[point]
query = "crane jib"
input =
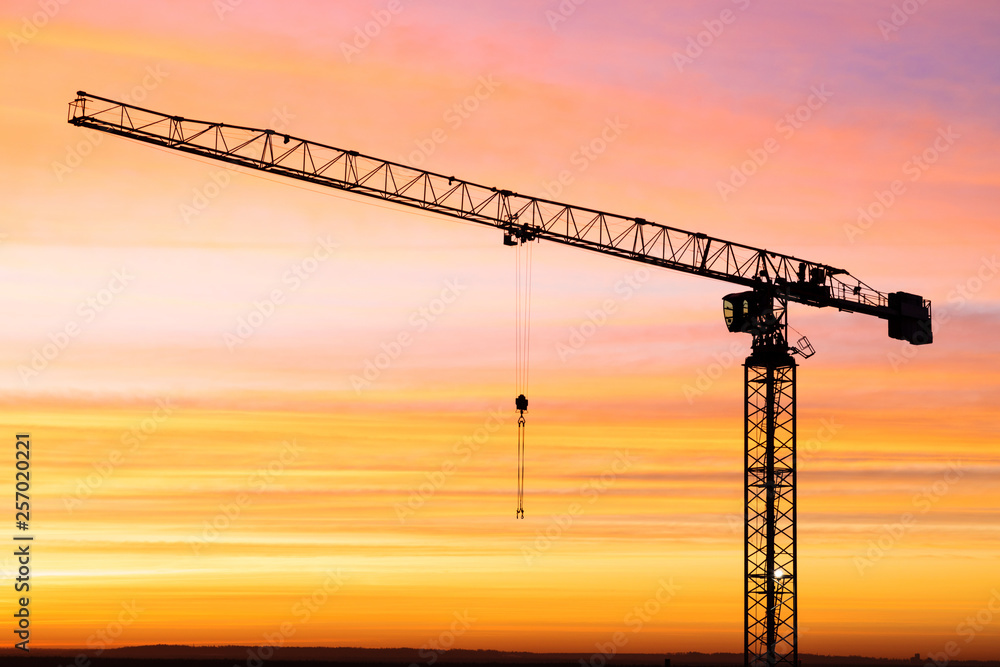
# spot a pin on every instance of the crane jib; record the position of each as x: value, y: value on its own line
x: 519, y: 216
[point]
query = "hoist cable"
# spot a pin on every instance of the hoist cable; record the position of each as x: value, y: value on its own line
x: 522, y: 325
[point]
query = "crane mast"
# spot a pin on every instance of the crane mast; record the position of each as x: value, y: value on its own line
x: 772, y: 281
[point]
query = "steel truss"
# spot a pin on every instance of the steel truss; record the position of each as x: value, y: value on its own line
x: 771, y: 582
x: 518, y: 215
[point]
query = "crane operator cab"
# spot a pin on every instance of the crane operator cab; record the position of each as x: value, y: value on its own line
x: 741, y: 311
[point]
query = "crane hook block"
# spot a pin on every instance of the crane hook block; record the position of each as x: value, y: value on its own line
x: 521, y: 403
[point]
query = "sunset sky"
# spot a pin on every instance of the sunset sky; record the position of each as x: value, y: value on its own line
x: 189, y: 489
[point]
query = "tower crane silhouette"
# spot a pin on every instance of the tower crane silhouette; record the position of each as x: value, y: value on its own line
x: 770, y: 281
